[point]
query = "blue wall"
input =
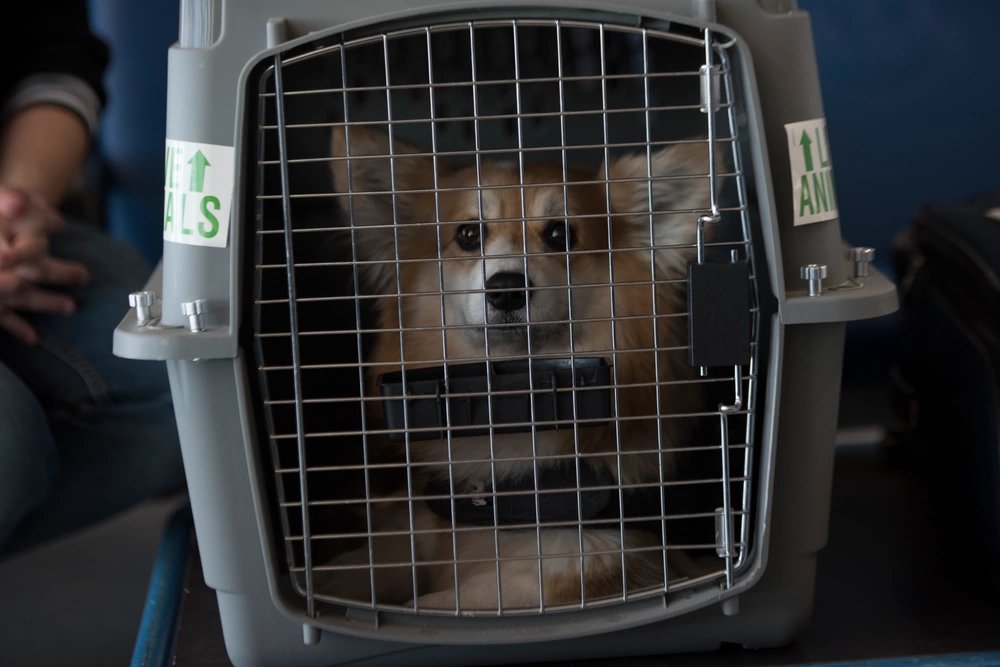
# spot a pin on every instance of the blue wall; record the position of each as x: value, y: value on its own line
x: 134, y: 124
x: 912, y: 96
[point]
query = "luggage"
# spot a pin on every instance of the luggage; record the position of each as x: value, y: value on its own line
x: 947, y: 382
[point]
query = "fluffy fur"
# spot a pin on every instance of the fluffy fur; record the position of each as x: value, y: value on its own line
x: 441, y: 281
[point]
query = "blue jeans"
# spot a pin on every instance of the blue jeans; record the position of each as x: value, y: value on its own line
x: 83, y: 434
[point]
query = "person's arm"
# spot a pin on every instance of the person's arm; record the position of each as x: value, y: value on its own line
x: 41, y: 150
x: 53, y: 93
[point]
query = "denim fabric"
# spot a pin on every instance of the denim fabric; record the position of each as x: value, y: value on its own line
x: 83, y: 434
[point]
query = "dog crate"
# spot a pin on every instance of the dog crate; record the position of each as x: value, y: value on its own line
x: 502, y: 332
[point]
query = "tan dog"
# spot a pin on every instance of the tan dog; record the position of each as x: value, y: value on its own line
x: 474, y: 262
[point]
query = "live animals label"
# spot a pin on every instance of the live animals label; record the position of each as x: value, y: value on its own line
x: 813, y: 196
x: 197, y: 193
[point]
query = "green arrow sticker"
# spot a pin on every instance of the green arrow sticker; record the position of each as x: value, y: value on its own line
x: 198, y: 164
x: 806, y: 142
x: 814, y: 198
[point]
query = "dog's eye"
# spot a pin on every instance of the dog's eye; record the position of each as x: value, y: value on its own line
x: 559, y: 235
x: 468, y: 236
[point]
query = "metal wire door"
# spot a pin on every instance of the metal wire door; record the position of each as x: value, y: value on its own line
x: 478, y: 377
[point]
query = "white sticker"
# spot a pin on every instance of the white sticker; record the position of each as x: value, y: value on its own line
x: 813, y: 196
x: 197, y: 193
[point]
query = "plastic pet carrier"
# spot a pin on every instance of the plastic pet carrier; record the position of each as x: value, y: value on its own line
x: 502, y: 331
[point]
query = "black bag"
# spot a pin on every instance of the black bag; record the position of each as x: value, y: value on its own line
x: 947, y: 382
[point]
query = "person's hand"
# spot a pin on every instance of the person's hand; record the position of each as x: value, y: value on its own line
x: 26, y: 223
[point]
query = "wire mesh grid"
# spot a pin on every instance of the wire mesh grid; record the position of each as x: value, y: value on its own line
x: 470, y: 315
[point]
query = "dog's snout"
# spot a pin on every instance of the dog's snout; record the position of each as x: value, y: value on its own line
x: 507, y: 290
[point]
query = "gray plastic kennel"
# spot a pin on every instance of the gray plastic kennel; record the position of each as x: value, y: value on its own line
x: 502, y: 331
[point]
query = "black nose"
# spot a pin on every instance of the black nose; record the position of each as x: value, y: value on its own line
x: 507, y: 290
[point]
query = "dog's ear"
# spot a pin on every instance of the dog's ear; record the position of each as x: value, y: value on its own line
x: 377, y: 194
x: 361, y: 164
x: 677, y: 177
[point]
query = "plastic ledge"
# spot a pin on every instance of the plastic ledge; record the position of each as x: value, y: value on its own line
x: 875, y: 297
x: 160, y: 343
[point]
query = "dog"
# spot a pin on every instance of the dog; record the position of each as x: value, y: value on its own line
x: 493, y: 261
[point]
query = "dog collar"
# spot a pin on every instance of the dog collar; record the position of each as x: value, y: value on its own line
x: 562, y: 496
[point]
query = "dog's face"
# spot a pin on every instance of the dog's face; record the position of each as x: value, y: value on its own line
x: 517, y: 251
x: 511, y: 253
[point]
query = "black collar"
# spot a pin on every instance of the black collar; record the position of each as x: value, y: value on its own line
x: 565, y: 494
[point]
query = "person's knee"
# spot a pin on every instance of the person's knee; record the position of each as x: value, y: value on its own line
x: 113, y: 264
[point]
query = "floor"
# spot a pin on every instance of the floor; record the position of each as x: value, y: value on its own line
x: 77, y: 602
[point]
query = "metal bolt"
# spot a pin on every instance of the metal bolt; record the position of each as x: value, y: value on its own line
x: 193, y: 310
x: 142, y: 302
x: 814, y: 273
x: 862, y: 258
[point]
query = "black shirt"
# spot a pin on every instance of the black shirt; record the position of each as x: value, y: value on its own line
x: 50, y: 37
